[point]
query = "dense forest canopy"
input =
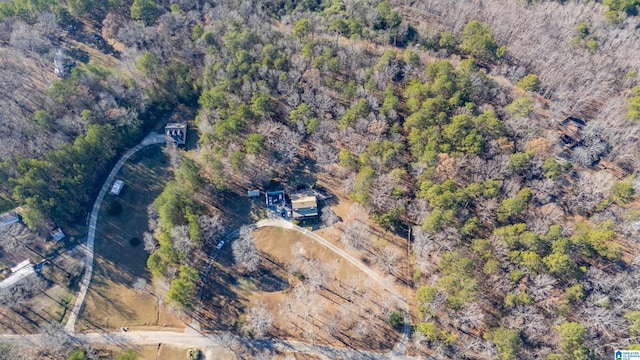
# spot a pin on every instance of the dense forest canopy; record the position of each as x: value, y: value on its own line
x: 437, y: 116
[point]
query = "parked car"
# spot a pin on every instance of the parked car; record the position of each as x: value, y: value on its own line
x: 219, y: 246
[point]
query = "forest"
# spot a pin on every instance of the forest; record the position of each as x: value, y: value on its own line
x: 443, y: 117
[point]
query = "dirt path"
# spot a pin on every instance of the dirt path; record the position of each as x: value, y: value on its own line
x: 151, y: 139
x: 387, y: 283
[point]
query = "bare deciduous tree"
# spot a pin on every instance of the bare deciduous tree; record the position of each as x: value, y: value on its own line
x: 329, y: 217
x: 211, y: 228
x: 150, y: 244
x: 258, y: 320
x: 181, y: 241
x: 244, y: 250
x: 356, y: 235
x: 140, y: 285
x: 388, y: 259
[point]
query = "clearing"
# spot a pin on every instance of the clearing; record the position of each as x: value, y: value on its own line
x: 120, y: 258
x: 345, y: 307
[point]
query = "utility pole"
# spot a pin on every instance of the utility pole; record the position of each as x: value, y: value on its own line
x: 409, y: 241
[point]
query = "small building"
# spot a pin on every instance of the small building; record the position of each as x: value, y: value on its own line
x: 117, y: 187
x: 176, y: 133
x: 570, y: 130
x: 57, y: 234
x: 273, y: 198
x: 304, y: 205
x: 253, y: 193
x: 9, y: 218
x: 18, y: 273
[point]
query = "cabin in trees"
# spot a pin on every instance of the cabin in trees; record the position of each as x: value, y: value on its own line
x: 176, y: 133
x: 570, y: 130
x: 304, y: 205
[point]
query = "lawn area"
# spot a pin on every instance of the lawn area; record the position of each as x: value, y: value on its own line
x: 348, y: 309
x: 120, y: 258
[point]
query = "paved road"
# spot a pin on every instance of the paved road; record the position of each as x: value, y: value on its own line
x: 401, y: 346
x: 152, y: 138
x: 187, y: 340
x: 194, y: 338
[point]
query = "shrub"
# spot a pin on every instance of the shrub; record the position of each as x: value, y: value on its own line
x: 194, y: 354
x: 395, y: 319
x: 529, y: 83
x: 623, y: 192
x: 114, y: 207
x: 520, y: 107
x: 134, y: 241
x: 78, y: 354
x: 128, y: 355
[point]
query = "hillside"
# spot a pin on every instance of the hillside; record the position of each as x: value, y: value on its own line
x: 499, y: 136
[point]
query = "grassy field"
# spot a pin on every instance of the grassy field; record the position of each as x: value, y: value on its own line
x: 228, y: 293
x: 119, y: 255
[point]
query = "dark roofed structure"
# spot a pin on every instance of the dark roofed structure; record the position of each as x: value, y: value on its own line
x: 176, y: 133
x: 304, y: 205
x: 571, y: 131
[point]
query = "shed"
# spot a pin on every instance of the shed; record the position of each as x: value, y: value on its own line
x: 9, y: 218
x: 304, y: 205
x: 571, y: 131
x: 176, y: 133
x: 117, y: 187
x: 18, y: 273
x: 253, y: 193
x: 57, y: 234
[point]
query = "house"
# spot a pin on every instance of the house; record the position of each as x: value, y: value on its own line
x: 304, y: 205
x: 117, y: 187
x: 273, y: 198
x: 18, y: 273
x: 57, y: 234
x: 570, y: 130
x: 176, y: 133
x: 253, y: 193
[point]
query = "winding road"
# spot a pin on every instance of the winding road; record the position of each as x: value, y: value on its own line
x: 189, y: 340
x: 153, y: 138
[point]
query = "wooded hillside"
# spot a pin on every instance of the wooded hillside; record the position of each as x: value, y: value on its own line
x: 444, y: 117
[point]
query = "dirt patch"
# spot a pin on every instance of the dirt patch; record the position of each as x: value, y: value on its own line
x: 111, y: 301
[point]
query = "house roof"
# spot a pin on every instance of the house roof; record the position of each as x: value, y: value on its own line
x: 18, y: 273
x: 304, y: 204
x: 57, y: 234
x: 176, y: 133
x: 9, y: 218
x: 570, y: 129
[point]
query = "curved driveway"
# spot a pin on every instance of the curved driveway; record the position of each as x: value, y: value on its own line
x: 198, y: 339
x: 151, y: 139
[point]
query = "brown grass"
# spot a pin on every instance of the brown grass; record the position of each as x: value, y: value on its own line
x: 111, y: 302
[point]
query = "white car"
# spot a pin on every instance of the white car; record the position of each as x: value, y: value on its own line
x: 219, y: 246
x: 117, y: 187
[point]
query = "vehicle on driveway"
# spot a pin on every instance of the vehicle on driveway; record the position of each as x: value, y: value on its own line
x: 219, y: 246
